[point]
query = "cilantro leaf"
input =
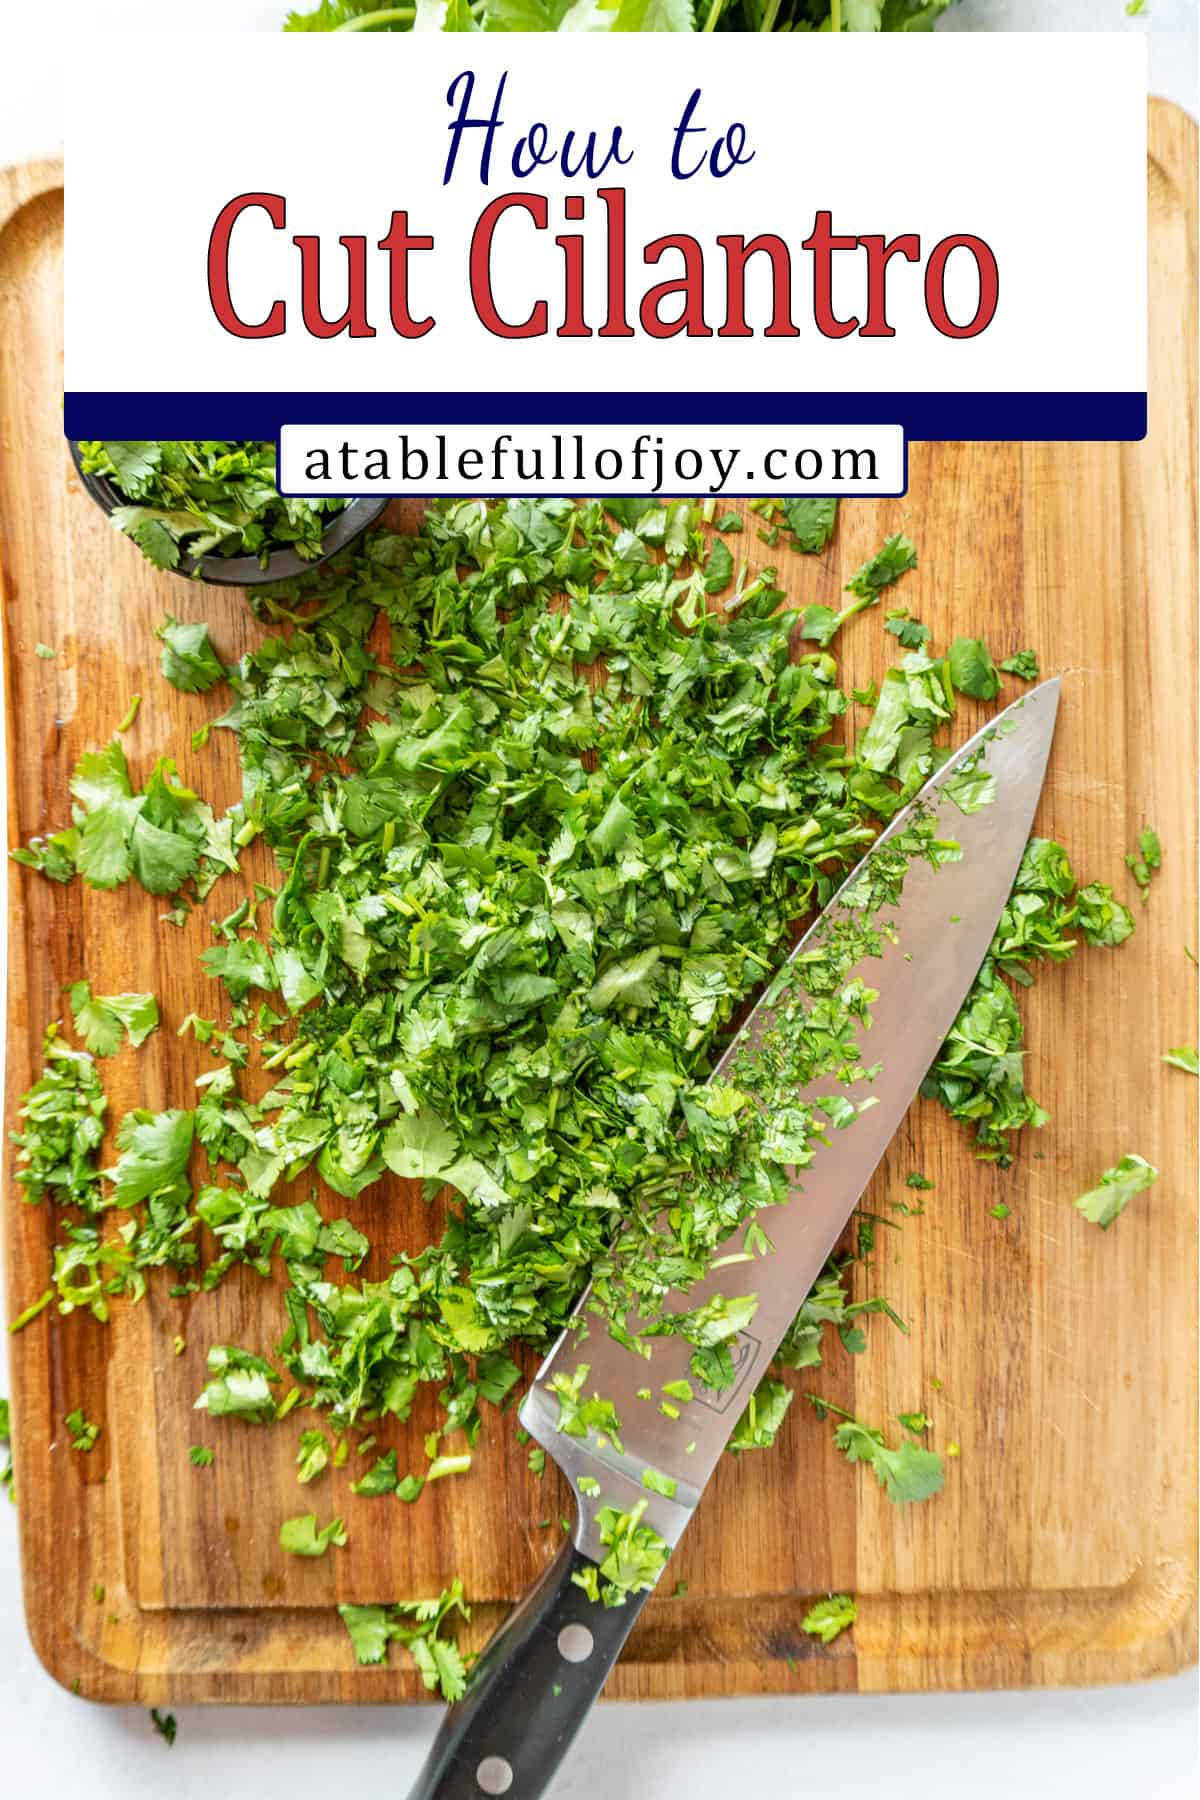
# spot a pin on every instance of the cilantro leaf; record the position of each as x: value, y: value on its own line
x: 1145, y: 862
x: 1023, y: 664
x: 1116, y: 1188
x: 153, y: 1154
x: 827, y: 1619
x: 84, y: 1434
x: 312, y: 1456
x: 419, y: 1625
x: 811, y: 523
x: 892, y: 560
x: 718, y: 570
x: 370, y: 1632
x: 380, y: 1478
x: 907, y: 1474
x: 189, y: 661
x: 972, y: 670
x: 239, y: 1385
x: 165, y: 1724
x: 103, y: 1021
x: 637, y: 1555
x: 198, y: 498
x: 759, y: 1425
x: 912, y: 634
x: 302, y: 1537
x: 1184, y: 1058
x: 242, y: 964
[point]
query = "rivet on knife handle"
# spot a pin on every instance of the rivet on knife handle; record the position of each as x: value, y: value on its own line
x: 530, y: 1691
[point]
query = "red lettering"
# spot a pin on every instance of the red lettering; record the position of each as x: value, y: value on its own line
x: 354, y: 319
x: 616, y: 325
x: 823, y: 243
x: 574, y: 323
x: 737, y: 254
x: 879, y: 254
x: 481, y: 266
x: 397, y: 244
x: 275, y: 207
x: 935, y: 286
x: 690, y: 285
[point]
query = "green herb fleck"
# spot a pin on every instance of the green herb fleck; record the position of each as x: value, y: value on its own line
x: 829, y: 1618
x: 1116, y: 1188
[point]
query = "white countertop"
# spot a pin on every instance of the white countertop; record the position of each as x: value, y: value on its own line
x: 1105, y: 1743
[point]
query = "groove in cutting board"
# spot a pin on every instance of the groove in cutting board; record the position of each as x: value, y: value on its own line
x: 1063, y: 1548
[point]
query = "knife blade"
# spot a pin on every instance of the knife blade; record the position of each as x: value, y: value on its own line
x: 537, y: 1678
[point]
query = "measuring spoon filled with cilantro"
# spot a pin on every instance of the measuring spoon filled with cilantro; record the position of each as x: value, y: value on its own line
x: 211, y: 508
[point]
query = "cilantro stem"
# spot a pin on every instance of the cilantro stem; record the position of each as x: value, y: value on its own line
x: 31, y: 1312
x: 835, y: 15
x: 714, y: 13
x: 379, y: 21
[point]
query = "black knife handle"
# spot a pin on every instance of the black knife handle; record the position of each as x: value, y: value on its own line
x: 530, y: 1691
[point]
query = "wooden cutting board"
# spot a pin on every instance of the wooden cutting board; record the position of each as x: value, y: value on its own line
x: 1062, y: 1360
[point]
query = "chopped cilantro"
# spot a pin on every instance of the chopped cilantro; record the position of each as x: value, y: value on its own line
x: 165, y: 1724
x: 84, y: 1434
x: 301, y: 1537
x: 312, y: 1455
x: 205, y: 499
x: 907, y: 1473
x: 1023, y: 664
x: 1145, y: 862
x: 658, y: 1483
x: 718, y: 570
x: 897, y: 556
x: 419, y: 1626
x: 829, y: 1618
x: 531, y: 861
x: 441, y: 1466
x: 759, y: 1425
x: 637, y: 1556
x: 380, y: 1478
x: 6, y: 1472
x: 1184, y: 1058
x: 978, y: 1074
x: 104, y: 1021
x: 810, y: 524
x: 972, y: 670
x: 189, y: 661
x: 200, y: 1456
x: 916, y: 1422
x: 1116, y: 1188
x: 912, y: 634
x: 239, y: 1385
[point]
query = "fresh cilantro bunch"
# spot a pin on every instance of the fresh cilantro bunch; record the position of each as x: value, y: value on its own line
x: 621, y: 15
x: 205, y: 498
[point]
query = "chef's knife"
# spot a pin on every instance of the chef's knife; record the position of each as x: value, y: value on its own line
x: 538, y: 1677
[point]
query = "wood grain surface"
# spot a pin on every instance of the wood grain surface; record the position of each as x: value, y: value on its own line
x: 1063, y: 1549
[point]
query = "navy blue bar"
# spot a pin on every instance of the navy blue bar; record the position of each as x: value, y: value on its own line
x: 946, y: 418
